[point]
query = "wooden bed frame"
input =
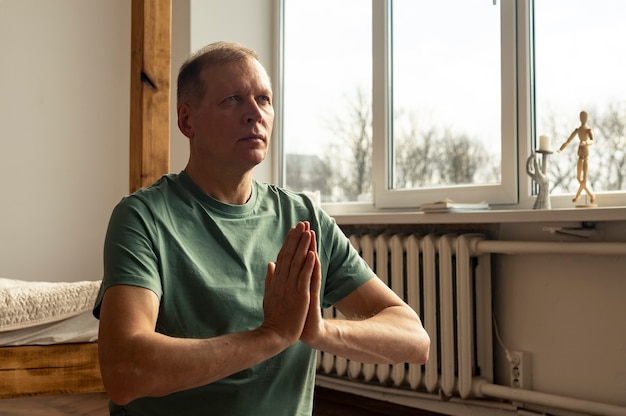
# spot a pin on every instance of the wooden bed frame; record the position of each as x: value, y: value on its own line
x: 35, y: 370
x: 74, y: 368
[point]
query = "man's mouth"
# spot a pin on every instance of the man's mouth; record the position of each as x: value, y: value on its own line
x: 254, y: 138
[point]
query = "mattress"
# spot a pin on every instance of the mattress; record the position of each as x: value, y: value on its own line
x: 44, y: 313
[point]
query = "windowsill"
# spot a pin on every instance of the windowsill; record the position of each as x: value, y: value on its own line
x: 485, y: 217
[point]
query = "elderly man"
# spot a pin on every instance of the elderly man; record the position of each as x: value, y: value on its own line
x: 214, y: 283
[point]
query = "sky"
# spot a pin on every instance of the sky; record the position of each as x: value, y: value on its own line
x: 581, y: 55
x: 446, y: 47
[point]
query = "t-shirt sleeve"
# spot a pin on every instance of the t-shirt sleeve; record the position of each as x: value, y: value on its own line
x: 346, y: 269
x: 130, y: 256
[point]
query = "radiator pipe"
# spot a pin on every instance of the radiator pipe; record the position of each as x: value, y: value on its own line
x: 482, y: 387
x: 548, y: 247
x: 485, y: 389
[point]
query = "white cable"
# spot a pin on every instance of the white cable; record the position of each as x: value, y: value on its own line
x: 509, y: 358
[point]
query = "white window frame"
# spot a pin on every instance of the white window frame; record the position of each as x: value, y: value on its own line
x: 518, y: 133
x: 384, y: 196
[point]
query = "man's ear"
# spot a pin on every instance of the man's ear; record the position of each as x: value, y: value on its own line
x: 184, y: 123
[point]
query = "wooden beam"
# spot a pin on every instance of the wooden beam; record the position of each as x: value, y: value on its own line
x: 150, y: 91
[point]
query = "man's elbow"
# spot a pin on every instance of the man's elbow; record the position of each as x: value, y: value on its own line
x: 124, y: 380
x: 421, y: 348
x: 119, y: 387
x: 118, y: 396
x: 424, y: 349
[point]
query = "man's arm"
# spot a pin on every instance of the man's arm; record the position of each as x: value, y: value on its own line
x: 136, y: 361
x: 380, y: 327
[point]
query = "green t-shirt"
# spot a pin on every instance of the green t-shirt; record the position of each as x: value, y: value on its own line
x: 207, y: 262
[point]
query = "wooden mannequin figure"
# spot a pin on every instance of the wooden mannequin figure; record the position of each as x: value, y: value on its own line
x: 586, y: 139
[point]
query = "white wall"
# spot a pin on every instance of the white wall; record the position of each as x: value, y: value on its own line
x: 64, y: 121
x: 63, y: 133
x: 568, y: 311
x: 249, y: 22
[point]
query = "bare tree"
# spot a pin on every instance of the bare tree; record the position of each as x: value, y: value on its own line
x: 611, y: 150
x: 413, y: 156
x: 354, y: 146
x: 461, y: 159
x: 308, y: 173
x: 436, y: 157
x: 430, y: 156
x: 422, y: 157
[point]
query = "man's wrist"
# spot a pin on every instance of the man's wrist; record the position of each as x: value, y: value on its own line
x: 272, y: 339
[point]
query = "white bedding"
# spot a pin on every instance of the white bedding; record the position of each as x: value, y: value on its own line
x: 79, y: 328
x: 29, y: 304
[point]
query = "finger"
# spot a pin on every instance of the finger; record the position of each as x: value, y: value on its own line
x: 303, y: 262
x: 307, y: 227
x: 316, y: 283
x: 314, y: 321
x: 313, y: 245
x: 286, y: 251
x: 306, y: 272
x: 271, y: 267
x: 292, y: 255
x: 302, y: 226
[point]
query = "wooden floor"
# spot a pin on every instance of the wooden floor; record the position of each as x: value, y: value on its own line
x: 327, y: 403
x: 333, y: 403
x: 89, y: 404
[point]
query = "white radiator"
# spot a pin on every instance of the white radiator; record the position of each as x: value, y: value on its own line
x: 449, y: 286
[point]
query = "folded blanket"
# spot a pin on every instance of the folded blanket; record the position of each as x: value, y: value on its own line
x: 25, y: 304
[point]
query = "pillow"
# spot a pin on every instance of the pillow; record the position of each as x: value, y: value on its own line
x: 25, y: 304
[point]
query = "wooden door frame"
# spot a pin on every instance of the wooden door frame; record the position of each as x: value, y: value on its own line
x: 150, y: 72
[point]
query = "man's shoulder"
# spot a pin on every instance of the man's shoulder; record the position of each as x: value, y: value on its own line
x: 164, y: 182
x: 162, y: 192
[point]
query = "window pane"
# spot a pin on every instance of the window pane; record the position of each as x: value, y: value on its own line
x: 580, y: 62
x: 446, y: 93
x: 327, y: 98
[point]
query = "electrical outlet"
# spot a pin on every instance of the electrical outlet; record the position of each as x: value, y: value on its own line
x: 521, y: 370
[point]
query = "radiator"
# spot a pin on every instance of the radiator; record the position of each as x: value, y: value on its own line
x: 449, y: 286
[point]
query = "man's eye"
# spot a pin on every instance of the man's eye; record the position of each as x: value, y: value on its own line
x: 231, y: 99
x: 265, y: 98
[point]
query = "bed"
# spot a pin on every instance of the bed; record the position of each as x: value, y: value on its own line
x: 42, y: 363
x: 48, y: 338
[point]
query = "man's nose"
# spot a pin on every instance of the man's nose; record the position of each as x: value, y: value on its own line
x: 253, y: 112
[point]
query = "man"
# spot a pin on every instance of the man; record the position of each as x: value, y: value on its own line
x: 213, y: 282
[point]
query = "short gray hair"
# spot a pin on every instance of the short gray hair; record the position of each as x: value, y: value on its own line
x: 190, y: 85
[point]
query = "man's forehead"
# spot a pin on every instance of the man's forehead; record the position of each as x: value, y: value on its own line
x: 248, y: 73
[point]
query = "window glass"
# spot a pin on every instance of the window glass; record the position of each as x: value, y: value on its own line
x: 446, y: 124
x: 399, y: 102
x: 327, y: 98
x: 580, y: 62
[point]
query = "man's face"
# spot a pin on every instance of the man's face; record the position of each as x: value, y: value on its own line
x: 232, y: 124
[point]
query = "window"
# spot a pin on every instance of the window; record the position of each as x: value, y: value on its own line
x: 444, y: 136
x: 399, y: 102
x: 580, y: 59
x: 446, y: 118
x: 328, y: 95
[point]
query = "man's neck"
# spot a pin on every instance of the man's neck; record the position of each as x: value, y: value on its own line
x: 234, y: 190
